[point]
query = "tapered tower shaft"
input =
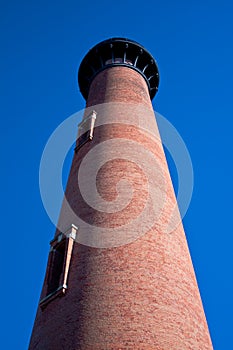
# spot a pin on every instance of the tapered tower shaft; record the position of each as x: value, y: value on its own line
x: 119, y: 274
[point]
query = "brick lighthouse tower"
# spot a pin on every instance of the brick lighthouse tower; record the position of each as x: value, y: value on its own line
x: 119, y: 273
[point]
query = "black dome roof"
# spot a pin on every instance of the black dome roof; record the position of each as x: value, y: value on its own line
x: 118, y: 52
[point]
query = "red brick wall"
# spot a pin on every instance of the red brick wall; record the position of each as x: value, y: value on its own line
x: 141, y: 295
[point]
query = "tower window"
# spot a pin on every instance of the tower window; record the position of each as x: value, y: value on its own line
x: 56, y: 278
x: 86, y: 130
x: 56, y: 267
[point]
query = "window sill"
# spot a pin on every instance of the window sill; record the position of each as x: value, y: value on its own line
x: 58, y: 292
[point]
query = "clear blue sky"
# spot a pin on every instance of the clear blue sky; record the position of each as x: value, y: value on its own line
x: 42, y: 45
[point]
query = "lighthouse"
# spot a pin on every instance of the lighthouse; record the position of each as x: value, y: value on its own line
x: 119, y: 272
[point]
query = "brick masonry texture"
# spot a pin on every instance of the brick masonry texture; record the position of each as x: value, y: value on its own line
x: 139, y: 296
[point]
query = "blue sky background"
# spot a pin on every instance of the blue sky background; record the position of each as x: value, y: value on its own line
x: 42, y: 45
